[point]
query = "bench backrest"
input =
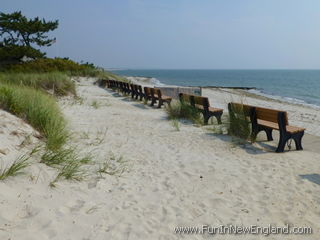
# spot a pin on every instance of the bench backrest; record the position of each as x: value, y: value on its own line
x: 270, y: 115
x: 147, y: 91
x: 195, y: 100
x: 203, y: 101
x: 154, y: 92
x: 158, y: 92
x: 184, y: 98
x: 240, y: 108
x: 266, y: 114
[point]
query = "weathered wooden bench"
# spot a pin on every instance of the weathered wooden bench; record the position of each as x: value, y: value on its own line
x: 202, y: 104
x: 156, y: 95
x: 265, y: 119
x: 140, y: 92
x: 147, y: 94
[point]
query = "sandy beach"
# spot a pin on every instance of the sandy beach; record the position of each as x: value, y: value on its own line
x: 162, y: 178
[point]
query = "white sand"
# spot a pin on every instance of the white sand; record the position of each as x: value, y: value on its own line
x: 189, y: 177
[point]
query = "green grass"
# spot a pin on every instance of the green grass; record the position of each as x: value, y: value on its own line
x: 179, y: 110
x: 60, y: 157
x: 175, y: 124
x: 71, y: 170
x: 15, y: 168
x: 239, y: 123
x: 63, y: 65
x: 113, y: 166
x: 57, y: 83
x: 38, y: 109
x: 95, y: 104
x: 68, y: 163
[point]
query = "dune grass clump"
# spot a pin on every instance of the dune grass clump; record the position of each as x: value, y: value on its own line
x: 38, y: 109
x: 175, y: 124
x: 64, y: 65
x: 15, y: 168
x: 113, y: 166
x: 180, y: 110
x: 239, y: 123
x: 68, y: 163
x: 58, y: 83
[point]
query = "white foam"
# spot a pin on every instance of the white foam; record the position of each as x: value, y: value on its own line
x: 156, y: 82
x: 284, y: 99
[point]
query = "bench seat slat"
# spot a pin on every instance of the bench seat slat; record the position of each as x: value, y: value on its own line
x: 166, y: 97
x: 275, y: 126
x: 211, y: 109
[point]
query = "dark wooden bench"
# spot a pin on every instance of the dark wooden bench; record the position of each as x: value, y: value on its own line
x: 202, y: 104
x: 140, y: 92
x: 147, y: 94
x: 265, y: 119
x: 156, y: 95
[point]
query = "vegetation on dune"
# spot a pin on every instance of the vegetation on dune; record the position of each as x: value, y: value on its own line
x: 68, y: 162
x: 24, y: 87
x: 63, y: 65
x: 38, y: 109
x: 56, y: 82
x: 239, y: 124
x: 180, y: 110
x: 15, y: 168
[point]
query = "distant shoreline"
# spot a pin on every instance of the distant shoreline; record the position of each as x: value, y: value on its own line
x: 247, y: 91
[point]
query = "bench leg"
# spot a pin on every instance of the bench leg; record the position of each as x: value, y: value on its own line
x: 160, y: 102
x: 297, y: 139
x: 281, y: 145
x: 153, y: 101
x: 269, y: 134
x: 282, y: 142
x: 218, y: 117
x: 206, y: 119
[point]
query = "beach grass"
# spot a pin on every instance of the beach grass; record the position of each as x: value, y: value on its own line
x: 180, y: 110
x: 239, y: 123
x: 38, y: 109
x: 68, y: 162
x: 15, y: 168
x: 175, y: 124
x: 62, y: 65
x: 113, y: 165
x: 57, y: 83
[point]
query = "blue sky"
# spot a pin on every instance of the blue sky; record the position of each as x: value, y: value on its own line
x: 183, y: 34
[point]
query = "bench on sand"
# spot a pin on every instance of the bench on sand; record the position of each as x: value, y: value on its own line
x: 265, y: 119
x: 202, y: 104
x: 155, y: 94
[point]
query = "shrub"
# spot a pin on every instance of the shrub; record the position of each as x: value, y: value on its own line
x: 45, y: 65
x: 38, y: 109
x: 58, y: 83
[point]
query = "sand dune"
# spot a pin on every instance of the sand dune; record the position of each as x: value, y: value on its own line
x: 172, y: 178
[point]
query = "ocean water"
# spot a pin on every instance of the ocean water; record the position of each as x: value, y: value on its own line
x: 298, y: 86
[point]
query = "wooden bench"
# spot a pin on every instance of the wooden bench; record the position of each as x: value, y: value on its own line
x: 147, y: 94
x: 265, y: 119
x: 156, y: 95
x: 140, y: 92
x: 202, y: 104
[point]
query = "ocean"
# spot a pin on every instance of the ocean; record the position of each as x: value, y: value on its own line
x: 296, y: 86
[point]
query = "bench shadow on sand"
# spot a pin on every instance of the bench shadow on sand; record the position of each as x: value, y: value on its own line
x: 315, y: 178
x: 247, y: 146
